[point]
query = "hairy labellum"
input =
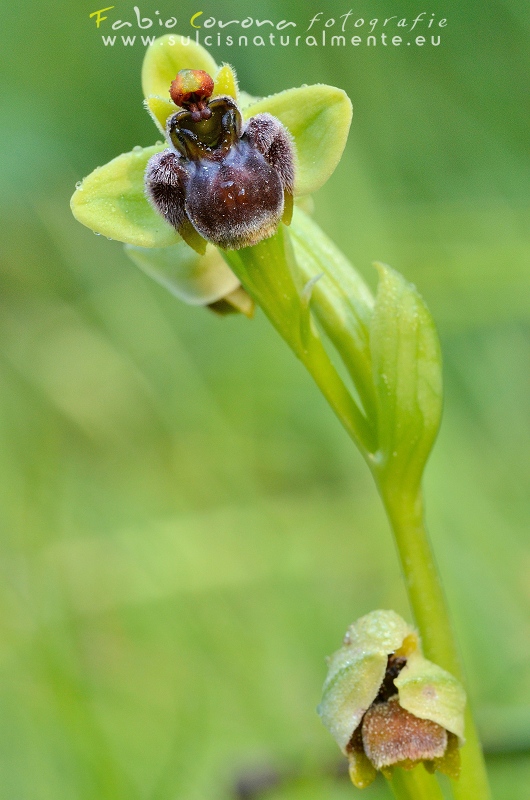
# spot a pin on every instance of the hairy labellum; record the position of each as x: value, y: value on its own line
x: 221, y: 180
x: 390, y: 735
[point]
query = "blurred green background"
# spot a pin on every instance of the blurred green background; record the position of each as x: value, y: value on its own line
x: 186, y: 530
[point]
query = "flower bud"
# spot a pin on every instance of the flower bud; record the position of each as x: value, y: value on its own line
x: 386, y: 705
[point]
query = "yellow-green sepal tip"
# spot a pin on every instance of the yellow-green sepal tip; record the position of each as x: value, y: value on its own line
x: 112, y: 202
x: 356, y: 671
x: 166, y: 57
x: 195, y: 279
x: 318, y: 118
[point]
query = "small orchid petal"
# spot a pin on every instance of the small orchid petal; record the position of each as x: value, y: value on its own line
x: 225, y: 82
x: 429, y: 692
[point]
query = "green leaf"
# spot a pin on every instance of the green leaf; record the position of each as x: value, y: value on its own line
x: 111, y: 201
x: 318, y: 118
x: 406, y: 363
x: 167, y: 56
x: 198, y: 280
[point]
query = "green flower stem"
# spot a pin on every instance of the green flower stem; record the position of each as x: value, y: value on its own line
x: 270, y: 273
x: 266, y: 271
x: 342, y: 303
x: 414, y: 785
x: 430, y: 612
x: 421, y: 577
x: 473, y: 782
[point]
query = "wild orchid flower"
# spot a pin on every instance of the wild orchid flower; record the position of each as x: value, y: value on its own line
x: 310, y: 123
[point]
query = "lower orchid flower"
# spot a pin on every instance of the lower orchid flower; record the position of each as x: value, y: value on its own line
x: 388, y: 706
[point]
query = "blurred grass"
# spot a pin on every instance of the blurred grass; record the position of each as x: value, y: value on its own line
x: 186, y: 530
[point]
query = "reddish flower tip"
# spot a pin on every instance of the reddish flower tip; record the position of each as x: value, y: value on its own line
x: 191, y: 90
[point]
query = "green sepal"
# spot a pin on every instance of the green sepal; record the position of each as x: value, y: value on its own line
x: 406, y: 363
x: 350, y: 692
x: 160, y: 109
x: 167, y: 56
x: 197, y: 280
x: 429, y: 692
x: 318, y: 118
x: 356, y: 671
x: 111, y: 201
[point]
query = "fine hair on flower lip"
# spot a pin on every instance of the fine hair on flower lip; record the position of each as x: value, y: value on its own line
x: 221, y: 180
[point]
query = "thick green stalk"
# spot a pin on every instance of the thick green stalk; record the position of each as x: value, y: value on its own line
x: 431, y: 615
x: 265, y: 271
x: 268, y: 271
x: 342, y: 303
x: 414, y: 785
x: 423, y: 585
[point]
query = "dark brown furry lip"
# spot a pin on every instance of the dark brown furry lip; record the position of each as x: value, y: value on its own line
x: 220, y: 180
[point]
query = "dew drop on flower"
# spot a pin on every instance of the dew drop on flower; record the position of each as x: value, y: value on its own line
x: 137, y: 148
x: 79, y: 184
x: 96, y: 233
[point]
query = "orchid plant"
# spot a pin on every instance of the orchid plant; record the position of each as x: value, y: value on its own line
x: 208, y: 213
